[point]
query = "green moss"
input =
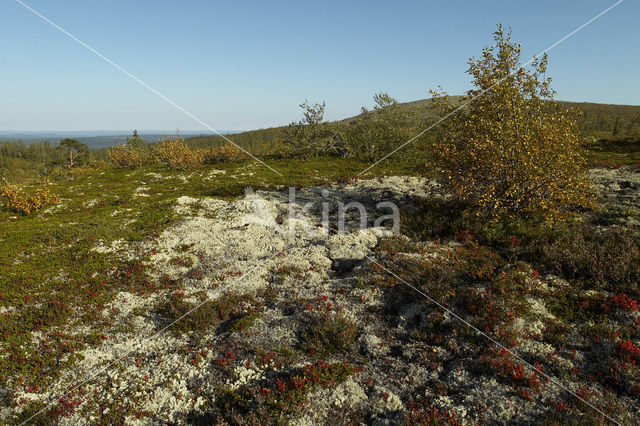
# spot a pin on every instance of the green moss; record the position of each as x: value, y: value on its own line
x: 233, y: 401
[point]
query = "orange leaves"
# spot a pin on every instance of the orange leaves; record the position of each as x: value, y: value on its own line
x: 177, y: 155
x: 126, y: 156
x: 170, y: 152
x: 25, y: 203
x: 224, y: 153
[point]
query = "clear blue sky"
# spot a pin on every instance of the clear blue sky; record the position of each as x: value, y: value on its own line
x: 242, y: 65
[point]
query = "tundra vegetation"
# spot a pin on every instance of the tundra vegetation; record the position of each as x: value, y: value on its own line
x: 511, y: 152
x: 147, y: 260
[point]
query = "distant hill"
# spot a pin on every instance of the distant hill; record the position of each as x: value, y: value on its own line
x: 425, y: 105
x: 597, y: 121
x: 607, y: 120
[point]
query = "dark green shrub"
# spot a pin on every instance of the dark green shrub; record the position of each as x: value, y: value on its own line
x: 330, y: 334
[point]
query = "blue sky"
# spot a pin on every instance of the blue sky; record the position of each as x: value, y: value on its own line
x: 243, y: 65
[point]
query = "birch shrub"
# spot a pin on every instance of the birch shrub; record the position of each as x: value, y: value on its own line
x: 510, y: 152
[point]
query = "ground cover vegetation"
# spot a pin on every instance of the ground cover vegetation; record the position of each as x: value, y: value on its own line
x: 540, y: 249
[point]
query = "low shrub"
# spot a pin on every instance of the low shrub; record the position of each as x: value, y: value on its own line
x: 127, y: 156
x: 291, y: 393
x: 476, y: 261
x: 431, y: 416
x: 608, y: 259
x: 282, y: 396
x: 445, y: 219
x: 330, y: 334
x: 177, y: 155
x: 25, y: 203
x: 86, y: 169
x: 509, y: 370
x: 223, y: 154
x: 619, y: 368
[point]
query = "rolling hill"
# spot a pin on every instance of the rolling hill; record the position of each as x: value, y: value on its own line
x: 598, y: 121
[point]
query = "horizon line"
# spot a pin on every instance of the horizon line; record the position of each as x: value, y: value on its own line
x: 230, y: 131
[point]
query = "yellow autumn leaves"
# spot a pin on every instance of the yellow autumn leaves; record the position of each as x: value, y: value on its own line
x: 126, y: 156
x: 173, y: 153
x: 511, y: 152
x: 23, y: 202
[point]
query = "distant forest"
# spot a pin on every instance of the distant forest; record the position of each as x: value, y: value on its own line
x: 20, y: 161
x: 608, y: 121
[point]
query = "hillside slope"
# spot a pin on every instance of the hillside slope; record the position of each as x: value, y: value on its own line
x: 597, y: 121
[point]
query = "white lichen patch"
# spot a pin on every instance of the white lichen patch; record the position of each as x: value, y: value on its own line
x: 90, y: 203
x: 347, y: 395
x: 186, y: 206
x: 141, y: 191
x: 355, y: 245
x: 214, y: 173
x: 114, y: 247
x: 245, y: 375
x: 7, y: 309
x: 53, y: 209
x: 237, y: 246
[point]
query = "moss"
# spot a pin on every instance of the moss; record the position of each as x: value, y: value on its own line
x: 570, y: 305
x: 287, y: 353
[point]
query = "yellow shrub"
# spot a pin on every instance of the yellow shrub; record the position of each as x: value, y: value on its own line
x: 125, y: 156
x: 84, y: 169
x: 175, y: 154
x: 224, y: 153
x: 25, y: 203
x: 511, y: 152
